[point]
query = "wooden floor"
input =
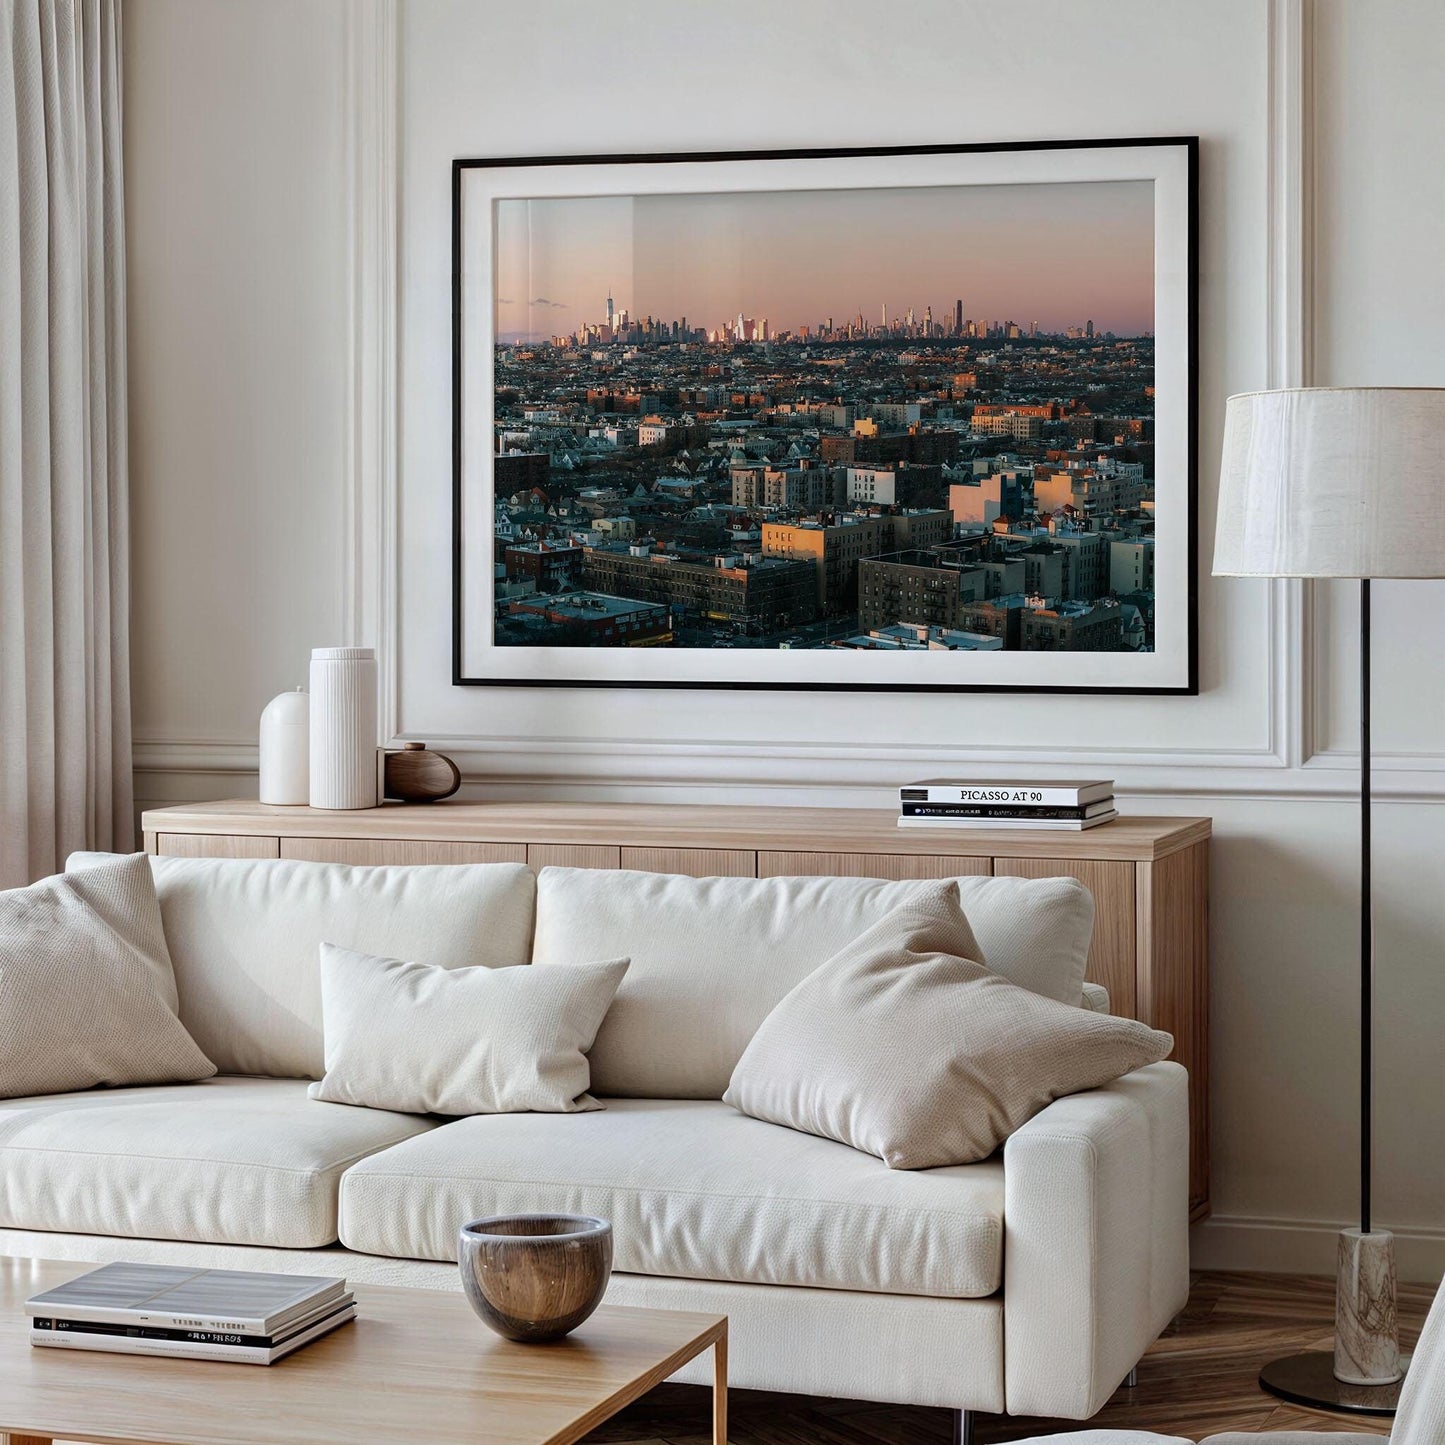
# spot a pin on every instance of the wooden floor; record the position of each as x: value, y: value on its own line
x: 1200, y: 1378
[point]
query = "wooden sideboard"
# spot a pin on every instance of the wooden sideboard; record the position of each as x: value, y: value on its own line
x: 1149, y: 876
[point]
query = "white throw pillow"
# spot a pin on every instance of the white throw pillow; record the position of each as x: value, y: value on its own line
x: 419, y: 1039
x: 903, y: 1046
x: 711, y: 956
x: 87, y: 994
x: 245, y: 936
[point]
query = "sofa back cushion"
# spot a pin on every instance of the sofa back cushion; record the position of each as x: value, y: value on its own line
x: 245, y: 938
x: 712, y: 956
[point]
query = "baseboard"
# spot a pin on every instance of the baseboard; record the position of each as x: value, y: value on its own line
x: 1304, y: 1246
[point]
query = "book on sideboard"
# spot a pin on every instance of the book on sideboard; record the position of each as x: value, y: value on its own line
x: 1008, y: 794
x: 963, y: 803
x: 983, y: 812
x: 1042, y: 825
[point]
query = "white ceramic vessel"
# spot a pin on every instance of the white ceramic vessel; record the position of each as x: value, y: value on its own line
x: 286, y: 749
x: 343, y: 727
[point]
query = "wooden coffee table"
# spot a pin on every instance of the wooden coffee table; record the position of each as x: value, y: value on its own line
x: 415, y: 1365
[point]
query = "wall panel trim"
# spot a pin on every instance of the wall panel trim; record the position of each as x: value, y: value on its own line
x: 533, y: 769
x: 369, y: 530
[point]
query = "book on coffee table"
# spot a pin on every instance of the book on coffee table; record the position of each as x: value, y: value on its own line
x: 211, y: 1314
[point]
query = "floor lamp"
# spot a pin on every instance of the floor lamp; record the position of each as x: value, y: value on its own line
x: 1341, y: 482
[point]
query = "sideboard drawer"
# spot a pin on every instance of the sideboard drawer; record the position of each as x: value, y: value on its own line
x: 573, y: 855
x: 217, y: 845
x: 400, y: 850
x: 870, y: 865
x: 694, y: 862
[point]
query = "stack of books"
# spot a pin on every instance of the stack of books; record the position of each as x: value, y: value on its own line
x: 195, y: 1314
x: 1050, y: 807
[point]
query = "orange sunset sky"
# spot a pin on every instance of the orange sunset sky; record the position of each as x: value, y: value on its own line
x: 1058, y: 254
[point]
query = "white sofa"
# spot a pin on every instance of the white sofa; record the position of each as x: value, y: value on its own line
x: 1030, y: 1283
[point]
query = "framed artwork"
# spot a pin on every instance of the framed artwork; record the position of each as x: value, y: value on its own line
x: 838, y: 419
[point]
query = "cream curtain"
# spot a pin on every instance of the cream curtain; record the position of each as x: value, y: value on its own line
x: 64, y: 598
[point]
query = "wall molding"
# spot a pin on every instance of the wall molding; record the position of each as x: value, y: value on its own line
x: 703, y: 770
x: 369, y: 531
x: 1289, y: 341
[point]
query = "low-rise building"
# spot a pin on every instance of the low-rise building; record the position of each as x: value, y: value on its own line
x: 553, y: 567
x: 901, y: 485
x: 1089, y: 490
x: 916, y: 587
x: 1000, y: 617
x: 982, y: 502
x: 1013, y: 424
x: 616, y: 529
x: 762, y: 594
x: 1071, y: 627
x: 1131, y: 566
x: 833, y: 550
x: 907, y: 637
x: 893, y: 413
x: 593, y: 619
x: 919, y: 444
x: 520, y: 472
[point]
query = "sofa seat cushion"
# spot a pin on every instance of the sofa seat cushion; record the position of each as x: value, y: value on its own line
x: 693, y: 1189
x: 228, y: 1161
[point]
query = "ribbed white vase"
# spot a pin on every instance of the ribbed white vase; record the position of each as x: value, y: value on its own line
x: 343, y: 727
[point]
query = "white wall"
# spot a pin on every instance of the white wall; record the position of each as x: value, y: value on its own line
x: 236, y: 233
x: 242, y: 206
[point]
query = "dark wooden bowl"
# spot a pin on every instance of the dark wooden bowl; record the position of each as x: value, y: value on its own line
x: 535, y: 1277
x: 416, y: 775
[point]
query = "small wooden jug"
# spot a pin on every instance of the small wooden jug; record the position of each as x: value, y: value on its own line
x: 415, y: 775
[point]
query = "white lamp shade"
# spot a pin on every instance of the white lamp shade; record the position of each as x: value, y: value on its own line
x: 1333, y: 482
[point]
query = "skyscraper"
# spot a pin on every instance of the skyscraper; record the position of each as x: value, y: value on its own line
x: 958, y: 317
x: 610, y: 324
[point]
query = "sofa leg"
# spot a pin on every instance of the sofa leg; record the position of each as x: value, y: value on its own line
x: 963, y: 1427
x: 1132, y: 1378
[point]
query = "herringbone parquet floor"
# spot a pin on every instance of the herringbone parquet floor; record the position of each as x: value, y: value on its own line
x: 1198, y: 1379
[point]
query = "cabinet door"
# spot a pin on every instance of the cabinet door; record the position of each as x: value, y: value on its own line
x: 1113, y: 953
x: 573, y: 855
x: 694, y: 862
x: 400, y: 850
x: 870, y: 865
x: 216, y: 845
x: 1174, y: 984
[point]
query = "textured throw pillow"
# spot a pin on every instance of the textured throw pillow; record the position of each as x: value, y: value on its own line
x: 904, y: 1047
x: 418, y: 1038
x: 87, y: 995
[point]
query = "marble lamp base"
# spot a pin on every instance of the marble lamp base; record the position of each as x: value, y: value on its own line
x: 1363, y: 1375
x: 1367, y: 1329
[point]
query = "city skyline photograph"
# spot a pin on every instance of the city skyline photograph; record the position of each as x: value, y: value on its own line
x: 864, y: 418
x: 1051, y: 256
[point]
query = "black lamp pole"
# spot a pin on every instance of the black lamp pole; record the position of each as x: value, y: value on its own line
x: 1309, y: 1378
x: 1367, y: 941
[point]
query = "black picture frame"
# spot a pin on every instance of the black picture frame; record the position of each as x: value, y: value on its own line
x: 1190, y: 686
